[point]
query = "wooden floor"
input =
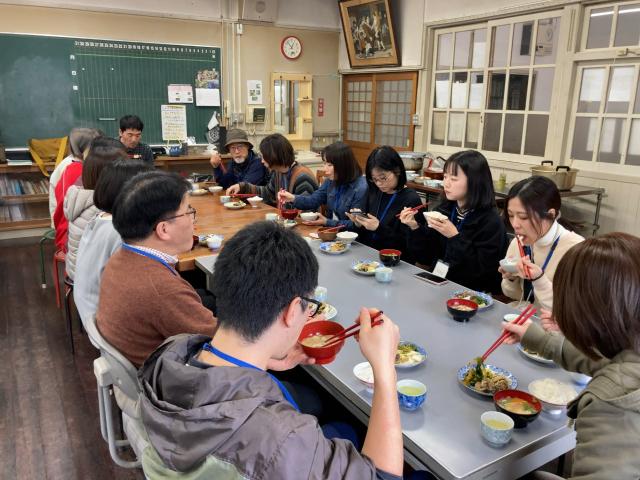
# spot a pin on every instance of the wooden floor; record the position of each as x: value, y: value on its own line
x: 49, y: 427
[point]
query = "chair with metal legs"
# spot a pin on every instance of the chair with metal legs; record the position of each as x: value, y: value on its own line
x: 48, y: 235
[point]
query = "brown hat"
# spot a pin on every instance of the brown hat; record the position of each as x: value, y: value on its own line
x: 235, y: 135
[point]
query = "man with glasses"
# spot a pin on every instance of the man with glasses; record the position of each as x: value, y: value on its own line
x: 245, y: 166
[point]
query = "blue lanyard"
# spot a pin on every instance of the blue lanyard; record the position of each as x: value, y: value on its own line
x: 528, y: 284
x: 149, y: 255
x: 236, y: 361
x: 384, y: 213
x: 339, y: 191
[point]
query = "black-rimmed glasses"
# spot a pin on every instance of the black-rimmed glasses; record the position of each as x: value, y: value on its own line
x: 312, y: 306
x: 190, y: 211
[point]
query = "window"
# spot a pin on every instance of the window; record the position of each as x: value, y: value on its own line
x: 493, y: 84
x: 612, y: 26
x: 291, y: 103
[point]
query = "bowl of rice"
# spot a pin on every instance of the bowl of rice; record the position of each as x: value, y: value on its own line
x: 553, y: 394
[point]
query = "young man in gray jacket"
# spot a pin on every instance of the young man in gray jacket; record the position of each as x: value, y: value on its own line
x: 210, y: 408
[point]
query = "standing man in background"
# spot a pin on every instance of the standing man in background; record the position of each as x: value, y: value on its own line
x: 130, y: 133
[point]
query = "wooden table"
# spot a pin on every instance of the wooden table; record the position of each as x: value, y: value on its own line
x: 212, y: 217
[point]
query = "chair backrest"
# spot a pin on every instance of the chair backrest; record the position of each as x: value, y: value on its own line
x: 123, y: 371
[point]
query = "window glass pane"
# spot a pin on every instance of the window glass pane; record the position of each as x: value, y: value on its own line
x: 473, y: 130
x: 491, y: 135
x: 521, y: 45
x: 599, y: 27
x: 611, y: 140
x: 591, y: 90
x: 547, y: 41
x: 636, y: 107
x: 633, y: 153
x: 456, y: 129
x: 583, y: 138
x: 442, y: 91
x: 517, y: 97
x: 479, y: 48
x: 621, y: 81
x: 459, y: 90
x: 536, y: 138
x: 496, y: 90
x: 512, y: 133
x: 462, y: 57
x: 628, y: 27
x: 475, y: 90
x: 445, y: 51
x: 500, y: 44
x: 541, y: 89
x: 437, y: 130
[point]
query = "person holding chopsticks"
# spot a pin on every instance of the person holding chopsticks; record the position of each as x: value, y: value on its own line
x: 533, y: 210
x: 465, y: 240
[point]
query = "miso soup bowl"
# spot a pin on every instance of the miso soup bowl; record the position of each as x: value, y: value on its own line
x: 322, y: 355
x: 461, y: 315
x: 520, y: 420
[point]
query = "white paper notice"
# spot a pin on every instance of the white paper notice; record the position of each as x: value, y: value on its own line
x: 591, y: 89
x: 174, y: 122
x: 254, y: 92
x: 180, y: 93
x: 208, y: 97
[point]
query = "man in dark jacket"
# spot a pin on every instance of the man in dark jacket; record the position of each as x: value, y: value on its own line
x: 210, y: 408
x: 245, y: 164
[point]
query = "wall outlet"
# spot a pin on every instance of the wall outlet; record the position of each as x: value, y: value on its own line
x: 237, y: 117
x: 415, y: 119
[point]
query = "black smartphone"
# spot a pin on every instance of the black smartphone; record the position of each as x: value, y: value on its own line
x: 431, y: 278
x: 359, y: 214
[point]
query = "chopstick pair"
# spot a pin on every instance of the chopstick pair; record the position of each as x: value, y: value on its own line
x: 332, y: 229
x: 525, y: 315
x: 339, y: 337
x: 415, y: 209
x: 522, y: 255
x: 243, y: 195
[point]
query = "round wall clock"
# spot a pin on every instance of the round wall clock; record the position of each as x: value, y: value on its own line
x: 291, y: 47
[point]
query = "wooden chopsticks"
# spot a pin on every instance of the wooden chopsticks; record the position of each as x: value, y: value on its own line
x: 339, y: 337
x: 415, y: 209
x: 525, y: 315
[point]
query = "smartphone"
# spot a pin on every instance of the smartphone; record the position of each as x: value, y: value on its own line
x: 359, y: 214
x: 431, y: 278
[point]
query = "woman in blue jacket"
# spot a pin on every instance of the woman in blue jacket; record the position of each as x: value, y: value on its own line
x: 345, y: 188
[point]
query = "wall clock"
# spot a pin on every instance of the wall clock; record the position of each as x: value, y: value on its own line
x: 291, y: 47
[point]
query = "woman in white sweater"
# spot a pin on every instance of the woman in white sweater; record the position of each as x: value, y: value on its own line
x: 533, y: 209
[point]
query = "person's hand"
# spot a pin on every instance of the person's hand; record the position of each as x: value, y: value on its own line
x: 407, y: 216
x: 516, y: 331
x: 321, y: 220
x: 444, y: 227
x: 528, y: 269
x: 378, y: 344
x: 215, y: 160
x: 284, y: 196
x: 295, y: 356
x: 506, y: 275
x: 369, y: 222
x: 233, y: 189
x: 354, y: 218
x: 548, y: 322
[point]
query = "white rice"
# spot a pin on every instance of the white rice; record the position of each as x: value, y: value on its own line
x: 552, y: 391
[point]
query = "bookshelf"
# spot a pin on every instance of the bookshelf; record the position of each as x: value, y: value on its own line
x: 24, y: 197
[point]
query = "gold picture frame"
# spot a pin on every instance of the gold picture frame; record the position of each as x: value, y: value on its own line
x: 368, y: 33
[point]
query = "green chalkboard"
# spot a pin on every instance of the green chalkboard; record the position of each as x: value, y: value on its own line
x: 49, y: 85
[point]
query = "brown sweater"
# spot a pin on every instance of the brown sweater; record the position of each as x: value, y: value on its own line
x: 142, y: 303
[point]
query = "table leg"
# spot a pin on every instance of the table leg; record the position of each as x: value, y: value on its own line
x: 596, y: 225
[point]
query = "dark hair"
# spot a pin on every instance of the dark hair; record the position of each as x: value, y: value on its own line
x: 345, y: 166
x: 145, y: 200
x: 80, y: 139
x: 386, y: 158
x: 595, y: 295
x: 132, y: 122
x: 113, y: 178
x: 538, y: 195
x: 480, y: 193
x: 102, y: 151
x: 259, y: 272
x: 277, y: 151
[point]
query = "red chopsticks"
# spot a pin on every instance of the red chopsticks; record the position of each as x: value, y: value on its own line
x: 281, y: 202
x: 339, y: 337
x: 525, y: 315
x: 332, y: 229
x: 522, y: 254
x: 243, y: 195
x: 415, y: 209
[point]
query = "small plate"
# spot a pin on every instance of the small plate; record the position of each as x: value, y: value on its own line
x: 469, y: 293
x: 198, y: 192
x: 326, y: 248
x: 418, y: 349
x: 513, y: 381
x: 235, y: 205
x: 371, y: 263
x: 534, y: 356
x: 329, y: 311
x: 314, y: 235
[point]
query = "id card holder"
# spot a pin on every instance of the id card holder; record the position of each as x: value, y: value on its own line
x: 441, y: 269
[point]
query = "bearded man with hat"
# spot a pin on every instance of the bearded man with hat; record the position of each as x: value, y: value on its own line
x: 245, y: 165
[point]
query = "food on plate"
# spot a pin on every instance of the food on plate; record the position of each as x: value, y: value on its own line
x: 462, y: 308
x: 322, y: 308
x: 473, y: 296
x: 482, y: 379
x: 408, y: 353
x: 552, y: 391
x: 236, y: 204
x: 366, y: 267
x: 317, y: 340
x: 336, y: 247
x: 435, y: 215
x: 517, y: 405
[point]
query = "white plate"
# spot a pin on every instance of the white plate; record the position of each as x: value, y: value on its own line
x: 324, y: 247
x: 360, y: 272
x: 198, y: 192
x: 533, y: 356
x: 234, y: 205
x: 329, y: 312
x: 314, y: 235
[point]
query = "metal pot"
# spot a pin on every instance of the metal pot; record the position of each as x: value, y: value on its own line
x: 563, y: 176
x: 412, y: 160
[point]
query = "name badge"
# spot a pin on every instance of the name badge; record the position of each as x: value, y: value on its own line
x: 441, y: 269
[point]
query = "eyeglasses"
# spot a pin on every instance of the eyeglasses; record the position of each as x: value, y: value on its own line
x: 380, y: 179
x: 312, y: 305
x: 237, y: 147
x: 190, y: 211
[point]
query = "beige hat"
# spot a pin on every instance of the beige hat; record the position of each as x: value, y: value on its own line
x: 236, y: 135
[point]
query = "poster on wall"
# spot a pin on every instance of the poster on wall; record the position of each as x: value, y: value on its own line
x: 254, y: 92
x: 174, y: 122
x: 207, y: 97
x: 180, y: 93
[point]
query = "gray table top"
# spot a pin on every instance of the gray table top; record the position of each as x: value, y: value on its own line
x: 445, y: 433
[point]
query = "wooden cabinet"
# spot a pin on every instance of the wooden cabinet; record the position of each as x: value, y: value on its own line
x: 24, y: 197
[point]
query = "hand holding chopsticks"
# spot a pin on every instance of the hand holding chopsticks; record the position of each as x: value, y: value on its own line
x: 523, y: 255
x: 525, y: 315
x: 353, y: 329
x: 415, y: 209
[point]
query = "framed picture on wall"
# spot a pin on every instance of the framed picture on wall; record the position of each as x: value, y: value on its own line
x: 368, y: 33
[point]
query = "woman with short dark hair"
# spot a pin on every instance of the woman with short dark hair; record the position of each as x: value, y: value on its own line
x: 467, y: 239
x: 597, y: 307
x: 343, y: 189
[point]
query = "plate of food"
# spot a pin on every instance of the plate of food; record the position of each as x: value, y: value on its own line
x: 530, y: 354
x: 235, y: 205
x: 334, y: 248
x: 329, y: 311
x: 484, y: 300
x: 409, y: 355
x: 365, y: 267
x: 485, y: 379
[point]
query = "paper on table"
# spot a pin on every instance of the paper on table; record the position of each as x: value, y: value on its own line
x: 208, y: 97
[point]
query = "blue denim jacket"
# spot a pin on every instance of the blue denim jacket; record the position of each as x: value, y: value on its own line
x: 351, y: 195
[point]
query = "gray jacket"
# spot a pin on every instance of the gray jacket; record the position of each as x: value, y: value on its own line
x: 232, y: 423
x: 79, y: 210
